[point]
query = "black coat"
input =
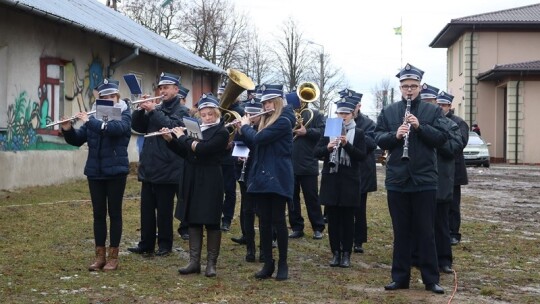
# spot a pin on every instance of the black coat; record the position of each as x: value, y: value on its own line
x: 445, y: 160
x: 304, y: 163
x: 157, y: 163
x: 368, y: 168
x: 202, y: 182
x: 419, y: 173
x: 342, y: 188
x: 460, y: 177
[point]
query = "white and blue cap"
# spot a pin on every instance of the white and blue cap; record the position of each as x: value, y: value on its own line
x: 253, y: 92
x: 293, y: 99
x: 207, y: 100
x: 182, y: 92
x: 357, y: 97
x: 346, y: 93
x: 168, y: 78
x: 444, y: 98
x: 108, y: 87
x: 252, y: 105
x: 269, y: 91
x: 410, y: 72
x: 345, y: 105
x: 221, y: 88
x: 428, y: 92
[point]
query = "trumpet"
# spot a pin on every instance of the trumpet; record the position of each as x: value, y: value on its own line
x: 146, y: 99
x: 405, y: 155
x: 68, y: 119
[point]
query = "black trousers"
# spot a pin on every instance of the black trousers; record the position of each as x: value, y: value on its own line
x: 309, y: 186
x: 229, y: 185
x: 455, y: 214
x: 107, y: 196
x: 340, y: 227
x: 271, y: 210
x: 413, y: 218
x: 360, y: 221
x: 157, y: 203
x: 247, y: 213
x: 442, y: 234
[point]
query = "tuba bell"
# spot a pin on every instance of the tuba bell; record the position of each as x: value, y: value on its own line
x: 238, y: 82
x: 307, y: 92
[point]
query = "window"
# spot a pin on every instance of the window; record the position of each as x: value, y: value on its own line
x: 450, y: 57
x: 460, y: 56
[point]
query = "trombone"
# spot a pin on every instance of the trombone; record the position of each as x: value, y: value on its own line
x: 68, y: 119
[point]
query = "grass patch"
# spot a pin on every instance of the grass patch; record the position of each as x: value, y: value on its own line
x: 47, y: 245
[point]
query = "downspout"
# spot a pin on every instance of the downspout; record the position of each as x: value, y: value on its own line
x: 471, y: 80
x: 517, y: 121
x: 129, y: 57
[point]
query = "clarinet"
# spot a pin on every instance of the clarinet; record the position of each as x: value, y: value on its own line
x: 242, y: 173
x: 405, y: 155
x: 333, y: 155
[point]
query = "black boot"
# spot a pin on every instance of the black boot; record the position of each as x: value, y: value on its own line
x: 336, y: 259
x: 250, y: 252
x: 195, y: 244
x: 213, y: 243
x: 282, y: 271
x: 345, y: 260
x: 267, y: 270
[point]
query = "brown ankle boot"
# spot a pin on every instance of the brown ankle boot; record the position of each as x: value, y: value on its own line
x: 112, y: 261
x: 100, y: 259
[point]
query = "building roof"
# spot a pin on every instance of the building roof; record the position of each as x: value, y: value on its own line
x: 93, y: 16
x: 499, y: 71
x: 525, y: 18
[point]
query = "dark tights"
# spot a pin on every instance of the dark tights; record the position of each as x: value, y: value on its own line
x: 106, y: 196
x: 271, y: 210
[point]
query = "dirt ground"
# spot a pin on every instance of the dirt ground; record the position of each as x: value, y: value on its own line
x: 506, y: 194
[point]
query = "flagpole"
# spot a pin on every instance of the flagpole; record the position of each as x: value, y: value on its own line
x: 401, y: 38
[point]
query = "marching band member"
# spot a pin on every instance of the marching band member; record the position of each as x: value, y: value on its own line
x: 202, y: 183
x: 340, y: 182
x: 159, y: 168
x: 252, y: 106
x: 368, y: 173
x: 106, y: 168
x: 270, y: 180
x: 411, y: 184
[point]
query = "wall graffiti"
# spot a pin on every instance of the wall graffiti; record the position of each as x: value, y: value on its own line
x: 23, y: 116
x: 61, y: 92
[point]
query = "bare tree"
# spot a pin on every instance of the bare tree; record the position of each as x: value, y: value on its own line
x: 333, y: 81
x: 255, y: 60
x: 290, y: 54
x: 150, y: 14
x: 214, y: 31
x: 383, y: 93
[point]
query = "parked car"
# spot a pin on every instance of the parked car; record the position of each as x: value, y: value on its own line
x: 476, y: 152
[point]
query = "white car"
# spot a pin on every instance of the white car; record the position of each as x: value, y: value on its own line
x: 476, y: 152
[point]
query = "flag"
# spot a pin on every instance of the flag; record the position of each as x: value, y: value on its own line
x: 165, y: 3
x: 397, y: 30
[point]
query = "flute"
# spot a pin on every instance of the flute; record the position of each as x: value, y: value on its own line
x: 251, y: 117
x: 208, y: 125
x: 146, y: 99
x: 68, y: 119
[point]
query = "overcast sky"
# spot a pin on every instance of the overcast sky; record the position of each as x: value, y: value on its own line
x: 359, y: 36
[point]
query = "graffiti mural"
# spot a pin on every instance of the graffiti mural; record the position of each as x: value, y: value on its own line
x: 23, y: 117
x: 61, y: 92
